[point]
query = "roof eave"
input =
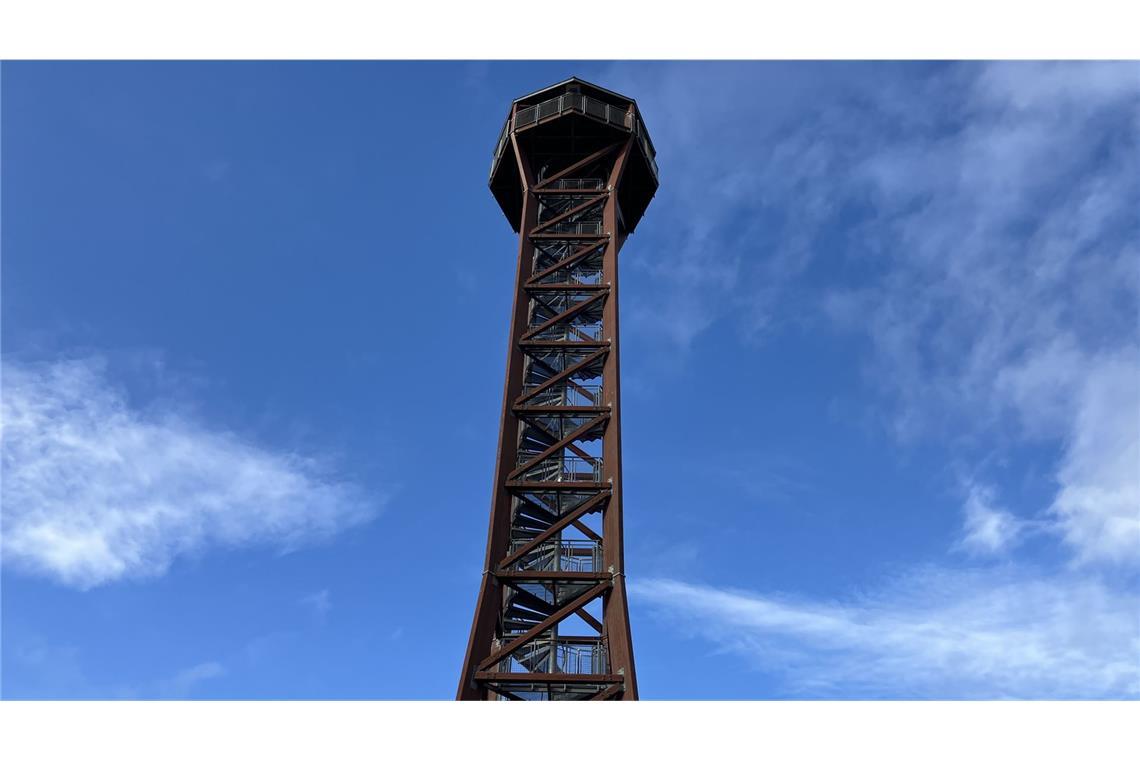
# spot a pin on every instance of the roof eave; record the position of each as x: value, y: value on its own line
x: 579, y: 80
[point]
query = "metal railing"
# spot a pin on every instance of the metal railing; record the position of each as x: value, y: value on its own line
x: 555, y: 302
x: 561, y: 468
x: 585, y: 271
x: 585, y: 183
x: 561, y: 555
x: 580, y: 658
x: 504, y: 134
x: 577, y: 103
x: 583, y: 104
x: 550, y: 206
x: 565, y: 394
x: 590, y: 229
x: 646, y: 144
x: 575, y: 658
x: 577, y: 274
x: 571, y: 333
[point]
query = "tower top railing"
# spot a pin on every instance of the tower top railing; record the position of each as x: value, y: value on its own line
x: 571, y: 102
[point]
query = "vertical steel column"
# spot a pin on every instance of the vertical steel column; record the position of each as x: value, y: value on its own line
x: 617, y: 630
x: 498, y: 531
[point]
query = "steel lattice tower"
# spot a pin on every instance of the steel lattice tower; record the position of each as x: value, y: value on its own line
x: 573, y: 171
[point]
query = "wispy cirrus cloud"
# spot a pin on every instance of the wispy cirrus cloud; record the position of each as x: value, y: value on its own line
x: 932, y: 634
x: 183, y: 683
x: 726, y: 244
x: 47, y: 670
x: 988, y: 529
x: 97, y: 490
x: 972, y: 230
x: 1098, y: 503
x: 973, y: 226
x: 318, y: 603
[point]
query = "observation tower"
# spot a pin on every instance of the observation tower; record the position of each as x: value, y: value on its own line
x: 573, y: 172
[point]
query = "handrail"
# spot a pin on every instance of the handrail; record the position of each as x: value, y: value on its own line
x: 586, y: 332
x: 582, y: 104
x: 571, y: 657
x: 560, y: 468
x: 572, y: 555
x: 628, y: 120
x: 566, y: 394
x: 587, y: 229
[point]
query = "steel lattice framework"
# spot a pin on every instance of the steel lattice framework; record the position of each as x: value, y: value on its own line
x: 573, y: 171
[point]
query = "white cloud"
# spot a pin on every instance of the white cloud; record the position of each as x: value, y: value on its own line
x: 183, y: 682
x: 975, y: 224
x: 988, y: 530
x: 318, y: 603
x: 933, y: 634
x: 975, y: 227
x: 719, y: 238
x: 1008, y: 244
x: 96, y: 491
x: 1098, y: 504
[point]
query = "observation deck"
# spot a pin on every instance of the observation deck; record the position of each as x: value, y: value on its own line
x: 566, y: 120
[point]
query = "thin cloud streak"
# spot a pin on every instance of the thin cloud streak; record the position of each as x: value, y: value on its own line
x: 318, y: 603
x: 934, y: 634
x: 974, y: 226
x: 988, y: 529
x: 97, y: 491
x: 183, y: 683
x: 1098, y: 504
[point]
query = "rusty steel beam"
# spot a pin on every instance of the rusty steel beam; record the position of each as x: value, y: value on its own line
x: 573, y: 258
x: 562, y: 375
x: 616, y: 606
x: 582, y: 164
x: 517, y: 576
x: 587, y: 506
x: 567, y: 214
x: 573, y: 310
x: 490, y: 675
x: 488, y: 603
x: 584, y: 485
x: 556, y: 617
x: 559, y: 444
x: 536, y: 409
x: 566, y: 236
x: 559, y: 286
x: 609, y: 692
x: 561, y: 344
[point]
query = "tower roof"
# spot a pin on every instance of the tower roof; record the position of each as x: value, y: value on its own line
x: 587, y: 88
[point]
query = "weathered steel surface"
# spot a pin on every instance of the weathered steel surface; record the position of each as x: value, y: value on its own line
x: 574, y: 170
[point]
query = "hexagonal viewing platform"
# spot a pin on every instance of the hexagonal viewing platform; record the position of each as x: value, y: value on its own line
x: 555, y: 125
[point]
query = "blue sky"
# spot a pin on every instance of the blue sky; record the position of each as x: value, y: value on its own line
x: 880, y: 359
